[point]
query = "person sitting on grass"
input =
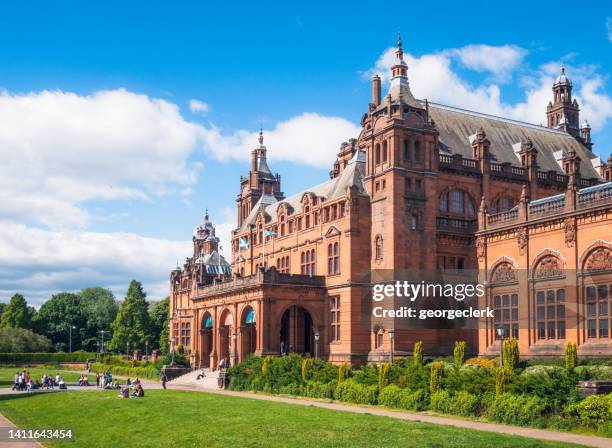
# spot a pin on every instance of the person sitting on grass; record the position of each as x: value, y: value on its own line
x: 128, y: 382
x: 61, y: 383
x: 138, y: 391
x: 125, y: 393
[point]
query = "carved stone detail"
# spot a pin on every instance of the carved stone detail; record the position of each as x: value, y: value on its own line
x: 570, y: 232
x: 599, y: 260
x: 481, y: 249
x: 549, y: 266
x: 522, y: 238
x: 504, y: 272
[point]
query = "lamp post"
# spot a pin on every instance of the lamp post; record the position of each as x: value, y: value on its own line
x: 146, y: 349
x: 392, y: 340
x: 316, y: 338
x: 70, y: 328
x: 127, y: 351
x: 500, y: 333
x: 102, y: 342
x: 235, y: 338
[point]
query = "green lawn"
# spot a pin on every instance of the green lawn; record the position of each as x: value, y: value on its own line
x: 8, y: 373
x: 186, y: 419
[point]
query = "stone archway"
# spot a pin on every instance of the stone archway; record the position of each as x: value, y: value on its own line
x: 226, y: 324
x: 206, y: 341
x: 248, y: 333
x: 296, y: 331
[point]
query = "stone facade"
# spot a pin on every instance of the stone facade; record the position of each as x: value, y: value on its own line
x: 403, y: 196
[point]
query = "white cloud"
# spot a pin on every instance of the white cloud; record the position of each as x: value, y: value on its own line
x: 433, y: 77
x: 41, y: 262
x: 199, y: 107
x: 60, y: 149
x: 500, y: 61
x: 309, y: 138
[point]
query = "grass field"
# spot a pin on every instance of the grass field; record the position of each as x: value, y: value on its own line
x: 187, y: 419
x: 8, y: 373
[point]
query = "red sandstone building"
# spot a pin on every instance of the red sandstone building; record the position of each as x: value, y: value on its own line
x: 403, y: 196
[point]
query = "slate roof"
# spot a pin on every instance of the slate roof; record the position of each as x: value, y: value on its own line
x: 456, y: 126
x: 352, y: 175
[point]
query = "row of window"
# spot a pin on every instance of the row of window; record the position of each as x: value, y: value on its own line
x: 381, y: 153
x: 550, y: 315
x: 184, y: 335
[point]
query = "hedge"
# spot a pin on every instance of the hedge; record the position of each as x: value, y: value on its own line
x: 46, y: 357
x: 150, y: 373
x: 520, y: 410
x: 351, y: 392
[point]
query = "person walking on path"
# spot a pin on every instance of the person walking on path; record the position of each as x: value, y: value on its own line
x: 164, y: 379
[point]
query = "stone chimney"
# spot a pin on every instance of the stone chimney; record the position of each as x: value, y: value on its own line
x: 376, y: 90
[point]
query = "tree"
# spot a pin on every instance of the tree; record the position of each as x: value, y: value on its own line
x: 57, y: 315
x: 132, y: 324
x: 2, y: 308
x: 100, y: 308
x: 21, y: 340
x: 16, y: 314
x: 159, y: 322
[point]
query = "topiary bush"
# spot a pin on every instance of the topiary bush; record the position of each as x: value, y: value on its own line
x: 352, y: 392
x: 418, y: 353
x: 383, y: 375
x: 517, y: 409
x: 307, y: 368
x: 344, y: 372
x: 511, y: 354
x: 500, y: 381
x: 571, y: 356
x: 459, y: 353
x: 435, y: 375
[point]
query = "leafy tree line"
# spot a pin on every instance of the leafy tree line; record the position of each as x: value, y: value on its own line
x: 89, y: 312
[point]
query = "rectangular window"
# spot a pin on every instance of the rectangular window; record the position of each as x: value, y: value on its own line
x: 505, y: 311
x: 419, y: 184
x: 550, y: 314
x: 599, y: 307
x: 335, y: 318
x: 456, y: 201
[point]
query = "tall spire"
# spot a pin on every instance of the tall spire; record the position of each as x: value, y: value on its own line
x: 400, y: 90
x: 261, y: 136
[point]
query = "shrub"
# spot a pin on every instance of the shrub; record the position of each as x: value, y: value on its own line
x: 351, y: 392
x: 344, y: 372
x: 555, y: 384
x: 316, y: 389
x: 517, y: 409
x: 511, y: 354
x: 435, y: 375
x: 413, y: 401
x: 418, y: 353
x: 290, y: 389
x: 19, y: 341
x: 7, y: 358
x: 470, y: 378
x: 151, y: 372
x: 593, y: 372
x: 307, y: 368
x: 265, y: 365
x: 390, y: 396
x: 500, y: 381
x: 440, y: 401
x: 383, y: 375
x: 461, y: 403
x: 593, y: 411
x: 459, y: 353
x: 483, y: 362
x: 571, y: 355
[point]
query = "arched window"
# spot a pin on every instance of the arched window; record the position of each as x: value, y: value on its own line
x: 384, y: 151
x: 208, y: 322
x: 417, y: 151
x: 502, y: 204
x: 250, y: 316
x: 458, y: 203
x: 378, y: 250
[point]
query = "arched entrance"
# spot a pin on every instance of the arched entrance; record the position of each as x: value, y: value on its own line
x: 248, y: 333
x: 225, y: 335
x: 207, y: 340
x: 296, y: 331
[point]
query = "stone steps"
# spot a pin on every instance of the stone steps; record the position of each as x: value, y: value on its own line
x: 190, y: 379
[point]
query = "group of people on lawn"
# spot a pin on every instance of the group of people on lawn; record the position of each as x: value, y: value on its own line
x: 24, y: 381
x: 137, y: 390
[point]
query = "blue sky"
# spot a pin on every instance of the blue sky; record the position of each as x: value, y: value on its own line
x: 123, y: 121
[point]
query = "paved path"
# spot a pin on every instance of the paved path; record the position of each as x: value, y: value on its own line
x: 5, y: 425
x: 533, y: 433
